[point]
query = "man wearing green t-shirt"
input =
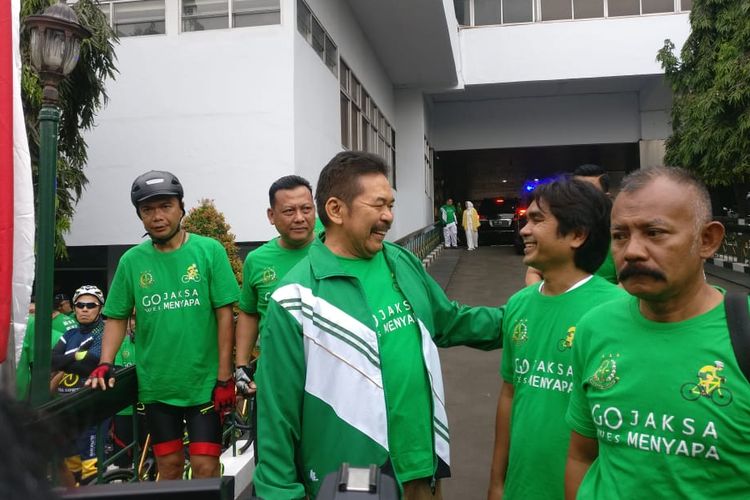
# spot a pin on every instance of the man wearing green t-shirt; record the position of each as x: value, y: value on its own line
x: 61, y: 303
x: 61, y: 323
x: 597, y: 177
x: 350, y: 370
x: 182, y: 288
x: 450, y: 224
x: 660, y: 406
x: 292, y: 212
x: 566, y: 237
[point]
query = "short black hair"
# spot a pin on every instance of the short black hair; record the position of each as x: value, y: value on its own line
x: 286, y: 182
x: 591, y: 170
x: 340, y: 178
x: 577, y: 205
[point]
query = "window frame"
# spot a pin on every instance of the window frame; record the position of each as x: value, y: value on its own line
x: 111, y: 18
x: 538, y: 17
x: 372, y: 132
x: 229, y: 15
x: 329, y: 52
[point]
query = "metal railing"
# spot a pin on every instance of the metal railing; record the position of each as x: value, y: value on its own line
x: 736, y: 244
x: 422, y: 241
x: 87, y: 407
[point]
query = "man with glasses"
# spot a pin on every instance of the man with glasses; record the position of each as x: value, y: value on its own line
x: 75, y: 355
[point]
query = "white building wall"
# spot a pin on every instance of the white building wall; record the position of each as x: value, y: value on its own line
x: 317, y: 119
x: 229, y: 111
x: 317, y: 112
x: 337, y: 18
x: 214, y: 107
x: 413, y: 209
x: 537, y: 121
x: 595, y: 48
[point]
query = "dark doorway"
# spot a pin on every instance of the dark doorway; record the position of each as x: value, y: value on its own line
x: 477, y: 174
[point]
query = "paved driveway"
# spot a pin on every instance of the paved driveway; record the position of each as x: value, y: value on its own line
x: 487, y: 276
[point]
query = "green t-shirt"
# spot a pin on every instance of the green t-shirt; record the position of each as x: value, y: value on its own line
x: 63, y: 323
x: 174, y: 294
x: 538, y: 333
x: 264, y: 267
x: 607, y: 270
x: 667, y: 403
x: 319, y: 227
x: 448, y: 214
x: 407, y: 391
x: 126, y: 357
x: 23, y: 370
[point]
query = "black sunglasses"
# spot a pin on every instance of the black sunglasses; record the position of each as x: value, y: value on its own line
x: 86, y: 305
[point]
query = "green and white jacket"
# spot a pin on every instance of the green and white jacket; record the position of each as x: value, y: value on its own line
x: 320, y: 399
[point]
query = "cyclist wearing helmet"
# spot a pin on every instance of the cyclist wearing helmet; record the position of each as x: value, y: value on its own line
x: 75, y: 355
x: 182, y: 288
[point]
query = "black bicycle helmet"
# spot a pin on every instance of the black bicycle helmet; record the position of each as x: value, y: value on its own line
x: 155, y: 183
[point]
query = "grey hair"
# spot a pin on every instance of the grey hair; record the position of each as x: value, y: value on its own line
x: 639, y: 179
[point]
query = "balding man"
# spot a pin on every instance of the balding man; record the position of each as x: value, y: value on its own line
x: 660, y: 406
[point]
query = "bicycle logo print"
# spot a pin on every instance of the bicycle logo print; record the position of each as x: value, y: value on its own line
x: 710, y: 385
x: 192, y: 274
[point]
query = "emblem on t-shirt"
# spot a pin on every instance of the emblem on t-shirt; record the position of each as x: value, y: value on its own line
x: 269, y: 275
x: 146, y: 279
x: 710, y: 385
x: 395, y: 283
x: 566, y: 342
x: 192, y: 274
x: 520, y: 332
x: 606, y: 375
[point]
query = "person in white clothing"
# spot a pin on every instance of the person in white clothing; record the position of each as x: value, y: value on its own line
x: 471, y: 225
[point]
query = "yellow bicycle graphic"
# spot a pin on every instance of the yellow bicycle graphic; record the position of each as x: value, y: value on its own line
x: 192, y: 274
x: 710, y: 385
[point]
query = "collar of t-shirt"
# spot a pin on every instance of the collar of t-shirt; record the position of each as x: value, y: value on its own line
x: 575, y: 285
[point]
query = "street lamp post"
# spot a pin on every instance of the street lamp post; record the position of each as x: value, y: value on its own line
x: 55, y: 41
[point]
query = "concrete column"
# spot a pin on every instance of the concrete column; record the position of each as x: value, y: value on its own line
x: 652, y: 153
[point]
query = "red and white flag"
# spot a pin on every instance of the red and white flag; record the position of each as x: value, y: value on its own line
x: 16, y: 191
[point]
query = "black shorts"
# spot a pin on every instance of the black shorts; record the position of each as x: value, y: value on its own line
x: 166, y: 423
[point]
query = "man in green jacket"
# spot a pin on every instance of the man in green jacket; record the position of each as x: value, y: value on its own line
x: 350, y: 370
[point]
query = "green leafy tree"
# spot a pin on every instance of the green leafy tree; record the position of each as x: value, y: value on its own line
x: 82, y: 94
x: 711, y: 87
x: 206, y: 220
